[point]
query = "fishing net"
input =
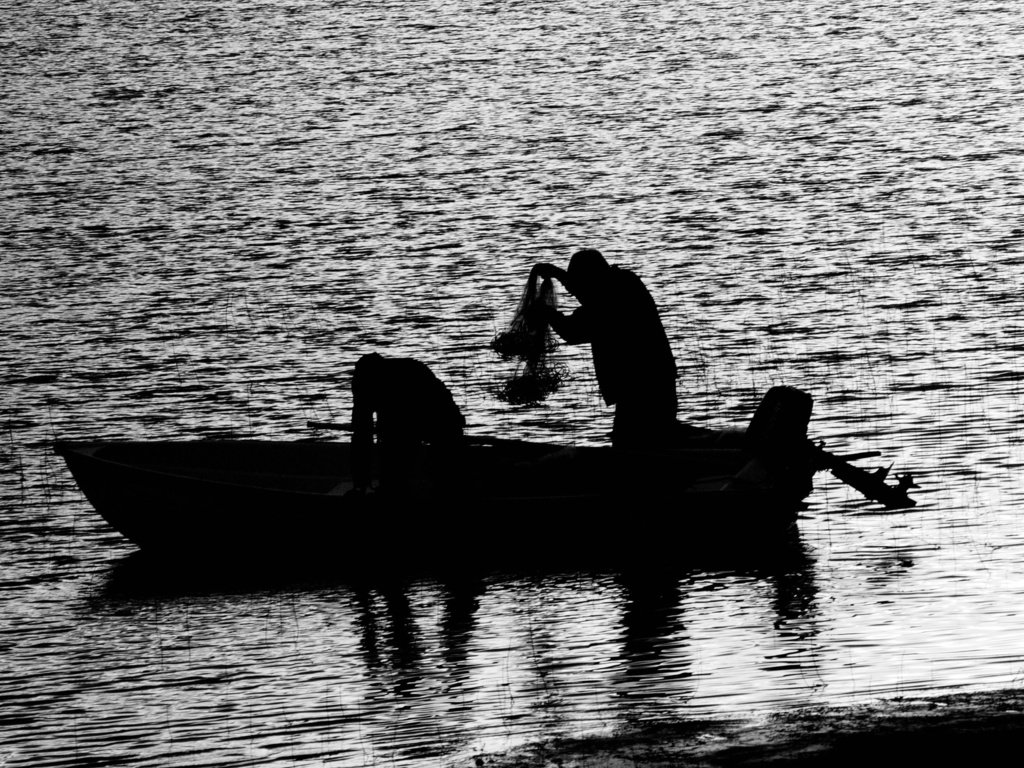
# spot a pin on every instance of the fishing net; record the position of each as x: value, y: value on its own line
x: 529, y: 340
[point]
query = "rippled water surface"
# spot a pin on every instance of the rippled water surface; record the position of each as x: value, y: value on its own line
x: 209, y: 211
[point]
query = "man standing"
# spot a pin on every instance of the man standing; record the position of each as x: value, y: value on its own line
x: 633, y: 361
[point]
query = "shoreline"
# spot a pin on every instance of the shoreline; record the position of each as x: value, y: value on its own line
x: 978, y: 726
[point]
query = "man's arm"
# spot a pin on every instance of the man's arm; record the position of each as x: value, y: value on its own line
x: 548, y: 272
x: 572, y: 329
x: 362, y: 433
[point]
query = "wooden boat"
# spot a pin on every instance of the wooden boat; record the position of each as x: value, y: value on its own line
x: 486, y: 499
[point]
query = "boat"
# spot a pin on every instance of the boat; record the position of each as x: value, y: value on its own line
x: 488, y: 498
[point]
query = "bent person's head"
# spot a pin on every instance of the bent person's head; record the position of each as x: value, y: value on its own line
x: 368, y: 367
x: 586, y: 268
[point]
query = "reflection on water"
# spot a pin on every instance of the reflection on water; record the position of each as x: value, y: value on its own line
x: 421, y: 667
x: 213, y: 210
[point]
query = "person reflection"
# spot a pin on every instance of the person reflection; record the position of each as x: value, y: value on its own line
x: 392, y: 644
x: 388, y: 633
x: 461, y: 601
x: 457, y: 623
x: 650, y: 617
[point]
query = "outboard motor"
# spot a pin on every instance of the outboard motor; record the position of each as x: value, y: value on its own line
x: 780, y: 423
x: 777, y: 437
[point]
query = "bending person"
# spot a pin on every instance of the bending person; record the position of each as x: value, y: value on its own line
x: 412, y: 407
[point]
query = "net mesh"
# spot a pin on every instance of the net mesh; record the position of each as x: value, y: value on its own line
x: 528, y: 340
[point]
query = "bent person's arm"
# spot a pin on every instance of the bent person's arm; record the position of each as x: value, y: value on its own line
x: 362, y: 438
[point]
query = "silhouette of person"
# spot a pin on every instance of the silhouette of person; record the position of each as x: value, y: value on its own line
x: 633, y: 361
x: 412, y: 407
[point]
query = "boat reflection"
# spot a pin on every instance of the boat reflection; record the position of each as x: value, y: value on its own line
x: 422, y: 666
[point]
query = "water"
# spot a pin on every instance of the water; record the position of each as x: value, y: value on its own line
x: 210, y: 213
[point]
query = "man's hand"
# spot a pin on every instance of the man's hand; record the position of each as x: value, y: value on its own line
x: 548, y: 271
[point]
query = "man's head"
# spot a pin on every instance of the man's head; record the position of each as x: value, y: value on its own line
x: 586, y: 269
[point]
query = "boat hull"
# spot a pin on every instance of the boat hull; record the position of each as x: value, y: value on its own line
x: 514, y: 502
